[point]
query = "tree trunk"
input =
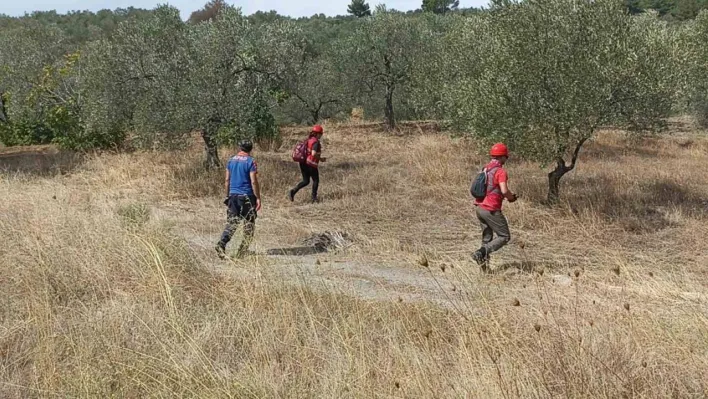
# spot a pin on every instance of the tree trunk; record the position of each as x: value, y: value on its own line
x: 561, y: 169
x: 212, y: 150
x: 388, y: 111
x: 3, y: 110
x: 554, y: 181
x: 315, y: 114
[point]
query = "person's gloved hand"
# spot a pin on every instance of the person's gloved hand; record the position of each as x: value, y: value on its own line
x: 226, y: 201
x: 514, y: 198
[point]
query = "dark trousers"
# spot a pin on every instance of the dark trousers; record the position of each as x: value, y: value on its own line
x: 241, y: 208
x: 493, y: 223
x: 308, y: 172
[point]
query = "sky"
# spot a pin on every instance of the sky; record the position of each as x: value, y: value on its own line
x: 294, y: 8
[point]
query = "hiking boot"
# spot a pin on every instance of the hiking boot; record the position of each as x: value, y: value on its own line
x: 315, y: 200
x: 485, y: 264
x: 291, y: 195
x: 482, y: 258
x: 221, y: 251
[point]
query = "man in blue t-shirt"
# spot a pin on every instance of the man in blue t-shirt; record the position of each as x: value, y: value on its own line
x: 243, y: 198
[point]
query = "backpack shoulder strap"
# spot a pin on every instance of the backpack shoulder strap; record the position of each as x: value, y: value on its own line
x: 490, y: 181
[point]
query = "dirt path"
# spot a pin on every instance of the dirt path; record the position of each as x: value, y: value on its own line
x: 338, y: 271
x: 449, y: 281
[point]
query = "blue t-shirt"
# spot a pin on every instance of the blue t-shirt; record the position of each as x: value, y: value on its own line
x: 241, y: 166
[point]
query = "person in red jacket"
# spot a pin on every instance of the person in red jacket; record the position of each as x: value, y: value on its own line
x: 489, y: 210
x: 310, y: 167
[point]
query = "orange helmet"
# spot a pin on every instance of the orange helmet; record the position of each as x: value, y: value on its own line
x: 317, y: 129
x: 499, y: 150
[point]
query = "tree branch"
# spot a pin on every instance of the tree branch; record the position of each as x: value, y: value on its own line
x: 55, y: 96
x: 575, y: 154
x: 304, y: 101
x: 560, y: 165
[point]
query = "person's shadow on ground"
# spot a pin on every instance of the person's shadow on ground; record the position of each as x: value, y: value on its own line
x: 527, y: 266
x: 296, y: 251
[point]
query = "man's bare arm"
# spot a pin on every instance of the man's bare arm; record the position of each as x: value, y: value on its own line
x: 256, y: 189
x: 256, y: 186
x: 506, y: 192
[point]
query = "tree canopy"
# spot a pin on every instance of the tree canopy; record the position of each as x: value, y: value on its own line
x: 541, y: 75
x: 440, y: 6
x: 359, y: 8
x: 545, y: 75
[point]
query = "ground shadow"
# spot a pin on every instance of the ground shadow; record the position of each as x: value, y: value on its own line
x: 637, y: 208
x: 605, y: 151
x: 39, y: 161
x: 680, y: 125
x: 346, y: 166
x: 296, y: 251
x: 528, y: 266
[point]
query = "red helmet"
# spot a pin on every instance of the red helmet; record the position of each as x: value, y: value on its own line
x: 317, y: 129
x: 499, y: 150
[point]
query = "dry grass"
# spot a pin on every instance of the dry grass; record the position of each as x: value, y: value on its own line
x: 111, y: 289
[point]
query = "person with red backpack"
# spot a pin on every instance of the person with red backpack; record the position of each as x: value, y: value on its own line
x: 309, y: 155
x: 490, y: 188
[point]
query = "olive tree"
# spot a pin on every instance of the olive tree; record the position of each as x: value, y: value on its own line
x: 314, y: 87
x: 35, y: 81
x: 381, y: 56
x: 133, y: 79
x: 232, y: 63
x: 159, y: 74
x: 545, y: 75
x: 696, y: 66
x: 451, y: 58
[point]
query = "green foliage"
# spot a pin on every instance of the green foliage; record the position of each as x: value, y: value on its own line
x: 25, y: 131
x: 663, y: 7
x: 130, y: 80
x: 381, y: 57
x: 233, y: 61
x: 78, y: 26
x: 258, y: 123
x: 359, y: 8
x: 440, y: 6
x: 668, y: 9
x: 544, y: 75
x: 41, y: 102
x: 313, y: 89
x: 262, y: 17
x: 696, y: 34
x: 540, y: 74
x: 441, y: 69
x: 210, y: 11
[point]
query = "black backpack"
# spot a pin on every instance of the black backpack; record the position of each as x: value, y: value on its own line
x: 480, y: 183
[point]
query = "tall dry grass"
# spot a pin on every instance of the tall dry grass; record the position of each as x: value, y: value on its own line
x: 111, y: 289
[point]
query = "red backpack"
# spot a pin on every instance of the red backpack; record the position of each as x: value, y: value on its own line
x: 300, y: 152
